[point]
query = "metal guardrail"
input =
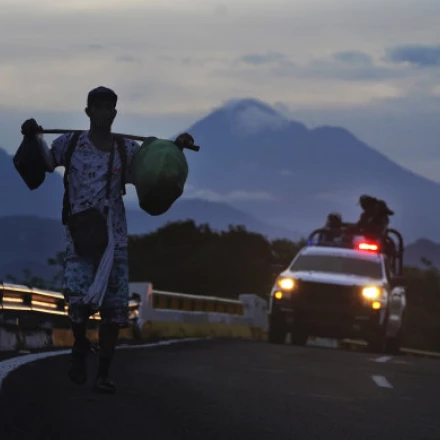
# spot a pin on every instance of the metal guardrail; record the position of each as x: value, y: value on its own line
x: 14, y: 297
x: 196, y: 303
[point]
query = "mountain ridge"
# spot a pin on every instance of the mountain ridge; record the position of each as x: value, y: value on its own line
x: 328, y: 169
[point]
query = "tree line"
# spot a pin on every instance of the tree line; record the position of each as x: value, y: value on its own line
x: 186, y: 258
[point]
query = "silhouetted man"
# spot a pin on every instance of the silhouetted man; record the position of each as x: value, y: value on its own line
x: 333, y: 226
x: 374, y: 219
x: 96, y: 230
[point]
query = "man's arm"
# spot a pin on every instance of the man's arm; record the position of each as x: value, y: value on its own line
x: 132, y: 147
x: 30, y: 129
x: 59, y: 148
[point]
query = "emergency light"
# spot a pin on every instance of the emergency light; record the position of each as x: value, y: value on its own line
x: 364, y: 246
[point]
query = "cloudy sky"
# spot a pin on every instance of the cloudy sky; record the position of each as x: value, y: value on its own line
x: 370, y: 66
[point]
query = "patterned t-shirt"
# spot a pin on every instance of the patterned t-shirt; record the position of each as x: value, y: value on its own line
x: 88, y: 180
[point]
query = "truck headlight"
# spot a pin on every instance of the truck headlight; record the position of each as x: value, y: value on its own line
x: 278, y: 295
x: 371, y: 292
x: 286, y: 283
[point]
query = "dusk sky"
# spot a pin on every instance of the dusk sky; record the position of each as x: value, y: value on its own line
x: 372, y: 67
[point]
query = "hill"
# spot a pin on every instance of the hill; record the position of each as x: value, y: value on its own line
x: 293, y: 176
x: 423, y: 249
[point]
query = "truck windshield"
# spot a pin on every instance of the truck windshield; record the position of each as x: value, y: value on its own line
x: 339, y: 265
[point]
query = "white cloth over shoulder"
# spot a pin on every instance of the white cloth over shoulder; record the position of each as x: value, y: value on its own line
x: 97, y: 289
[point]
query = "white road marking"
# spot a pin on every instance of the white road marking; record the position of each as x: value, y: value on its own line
x: 381, y: 381
x: 9, y: 365
x: 383, y: 359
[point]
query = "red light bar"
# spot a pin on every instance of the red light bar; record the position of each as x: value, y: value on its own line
x: 368, y: 247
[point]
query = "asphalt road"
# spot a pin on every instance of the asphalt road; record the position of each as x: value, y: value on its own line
x: 229, y: 390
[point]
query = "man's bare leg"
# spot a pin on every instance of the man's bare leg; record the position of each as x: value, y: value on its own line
x: 80, y: 350
x: 108, y: 338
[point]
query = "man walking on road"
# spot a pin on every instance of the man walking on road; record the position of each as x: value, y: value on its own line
x: 96, y: 261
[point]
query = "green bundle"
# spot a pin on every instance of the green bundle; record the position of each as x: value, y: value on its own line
x: 160, y: 171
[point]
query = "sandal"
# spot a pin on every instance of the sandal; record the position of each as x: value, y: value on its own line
x: 78, y: 362
x: 104, y: 385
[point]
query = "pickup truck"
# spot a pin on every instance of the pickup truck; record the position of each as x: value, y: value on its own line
x: 347, y: 289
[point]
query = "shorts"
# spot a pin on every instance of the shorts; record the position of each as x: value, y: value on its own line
x: 79, y: 273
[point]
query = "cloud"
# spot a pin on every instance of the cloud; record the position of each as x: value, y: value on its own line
x: 253, y: 119
x: 95, y: 46
x: 341, y: 78
x: 353, y: 56
x: 351, y: 66
x: 221, y: 10
x: 127, y: 59
x: 313, y: 51
x: 343, y: 66
x: 233, y: 196
x: 416, y: 54
x: 258, y: 59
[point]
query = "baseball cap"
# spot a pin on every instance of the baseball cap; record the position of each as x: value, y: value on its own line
x: 102, y: 92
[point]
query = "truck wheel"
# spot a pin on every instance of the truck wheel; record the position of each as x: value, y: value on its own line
x: 394, y: 343
x: 377, y: 341
x: 376, y: 344
x: 299, y: 337
x: 277, y: 328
